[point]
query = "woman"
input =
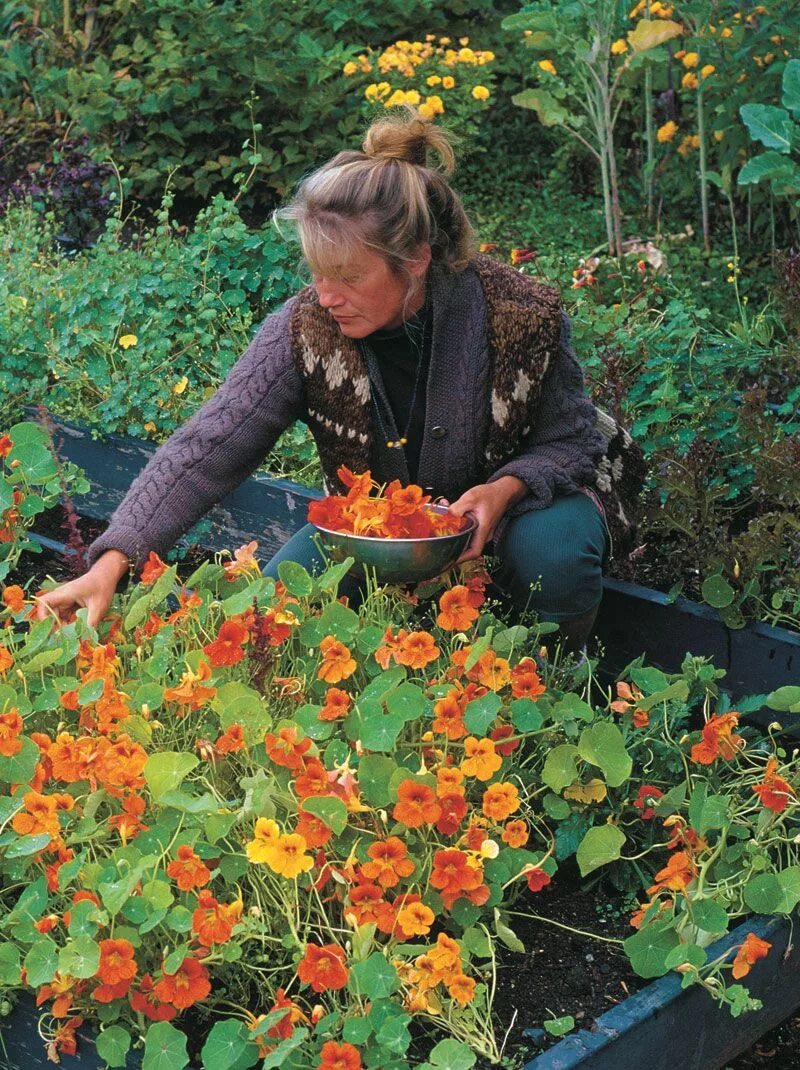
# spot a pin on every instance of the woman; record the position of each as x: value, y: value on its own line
x: 412, y: 357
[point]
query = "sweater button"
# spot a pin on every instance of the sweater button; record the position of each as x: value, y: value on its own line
x: 438, y: 432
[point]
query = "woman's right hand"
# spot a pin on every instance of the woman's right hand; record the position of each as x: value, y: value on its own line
x: 94, y: 590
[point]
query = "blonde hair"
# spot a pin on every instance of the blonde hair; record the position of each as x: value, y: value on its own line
x: 385, y: 197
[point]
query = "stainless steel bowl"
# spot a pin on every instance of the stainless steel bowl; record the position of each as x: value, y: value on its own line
x: 400, y: 560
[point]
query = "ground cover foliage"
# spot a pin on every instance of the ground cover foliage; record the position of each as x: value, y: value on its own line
x: 244, y: 824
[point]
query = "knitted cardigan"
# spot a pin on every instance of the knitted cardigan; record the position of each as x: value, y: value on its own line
x: 504, y: 397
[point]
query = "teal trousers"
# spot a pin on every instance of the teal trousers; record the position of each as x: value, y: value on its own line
x: 550, y: 560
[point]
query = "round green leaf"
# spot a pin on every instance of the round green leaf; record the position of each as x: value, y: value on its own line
x: 604, y: 746
x: 19, y: 768
x: 41, y: 962
x: 165, y: 771
x: 374, y: 773
x: 598, y: 847
x: 113, y: 1044
x: 648, y: 949
x: 295, y: 579
x: 717, y: 592
x: 374, y: 978
x: 559, y: 768
x: 164, y: 1048
x: 228, y: 1047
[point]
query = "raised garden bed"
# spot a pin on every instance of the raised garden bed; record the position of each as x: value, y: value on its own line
x: 633, y: 620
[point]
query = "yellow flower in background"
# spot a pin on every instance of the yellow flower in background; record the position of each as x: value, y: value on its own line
x: 466, y: 55
x: 619, y: 46
x: 690, y: 142
x: 719, y: 135
x: 463, y: 41
x: 431, y: 107
x: 548, y: 66
x: 480, y: 92
x: 707, y: 70
x: 412, y: 97
x: 726, y: 32
x: 349, y: 68
x: 690, y: 80
x: 150, y: 426
x: 377, y: 91
x: 127, y: 340
x: 691, y: 59
x: 444, y: 40
x: 181, y: 385
x: 434, y: 79
x: 666, y: 132
x: 448, y: 82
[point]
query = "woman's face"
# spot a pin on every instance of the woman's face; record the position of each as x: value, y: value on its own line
x: 370, y: 296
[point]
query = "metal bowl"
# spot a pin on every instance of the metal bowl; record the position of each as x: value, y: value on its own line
x: 400, y: 560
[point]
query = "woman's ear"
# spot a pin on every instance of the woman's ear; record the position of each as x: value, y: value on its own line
x: 421, y: 262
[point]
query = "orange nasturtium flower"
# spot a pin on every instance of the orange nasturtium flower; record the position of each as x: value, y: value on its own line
x: 753, y: 949
x: 337, y: 662
x: 417, y: 650
x: 188, y: 985
x: 227, y: 648
x: 152, y: 569
x: 678, y: 873
x: 449, y: 715
x: 538, y: 878
x: 337, y: 705
x: 416, y: 805
x: 213, y: 921
x: 718, y: 740
x: 482, y: 760
x: 6, y: 660
x: 10, y: 729
x: 323, y: 967
x: 515, y: 833
x: 456, y: 612
x: 500, y: 801
x: 342, y: 1056
x: 525, y: 680
x: 14, y: 598
x: 415, y: 918
x: 190, y: 693
x: 286, y: 748
x: 188, y: 870
x: 774, y: 792
x: 462, y: 989
x: 244, y: 561
x: 389, y: 862
x: 231, y: 741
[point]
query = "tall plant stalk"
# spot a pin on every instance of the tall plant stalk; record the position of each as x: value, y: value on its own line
x: 701, y: 133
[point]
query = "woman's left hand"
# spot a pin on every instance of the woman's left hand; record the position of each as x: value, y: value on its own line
x: 487, y: 502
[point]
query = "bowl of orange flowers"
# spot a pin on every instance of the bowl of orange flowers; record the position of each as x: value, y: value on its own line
x: 392, y: 531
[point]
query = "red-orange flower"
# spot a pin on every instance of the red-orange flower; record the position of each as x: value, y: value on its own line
x: 323, y: 967
x: 286, y: 748
x: 455, y: 875
x: 456, y: 612
x: 143, y: 1001
x: 515, y: 833
x: 454, y: 810
x: 152, y: 569
x: 643, y: 802
x: 190, y: 693
x: 537, y: 879
x: 116, y: 970
x: 188, y: 985
x: 212, y: 921
x: 753, y: 949
x: 231, y: 741
x: 337, y: 662
x: 678, y: 873
x: 449, y: 715
x: 14, y: 598
x: 188, y: 870
x: 482, y: 760
x: 6, y: 660
x: 227, y: 648
x: 525, y: 680
x: 337, y: 705
x: 774, y: 792
x: 416, y: 805
x: 339, y: 1057
x: 718, y: 740
x: 500, y: 800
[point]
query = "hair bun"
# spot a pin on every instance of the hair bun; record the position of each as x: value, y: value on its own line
x: 408, y: 138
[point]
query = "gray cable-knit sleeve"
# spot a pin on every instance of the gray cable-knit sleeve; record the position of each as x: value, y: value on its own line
x: 561, y: 451
x: 214, y: 451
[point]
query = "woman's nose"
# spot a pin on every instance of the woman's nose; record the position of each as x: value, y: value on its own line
x: 328, y: 295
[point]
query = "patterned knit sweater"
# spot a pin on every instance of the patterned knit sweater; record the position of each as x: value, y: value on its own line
x: 268, y: 388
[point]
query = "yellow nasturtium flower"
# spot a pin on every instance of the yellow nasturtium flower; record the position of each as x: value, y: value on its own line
x: 448, y: 81
x: 619, y: 46
x: 181, y: 385
x: 691, y: 59
x: 707, y: 70
x: 548, y: 66
x: 666, y: 132
x: 127, y: 340
x: 689, y: 80
x: 480, y: 92
x: 349, y: 68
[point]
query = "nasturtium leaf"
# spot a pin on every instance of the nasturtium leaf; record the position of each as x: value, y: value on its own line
x: 91, y: 691
x: 339, y: 621
x: 678, y: 691
x: 603, y: 745
x: 406, y: 701
x: 158, y: 894
x: 571, y: 707
x: 41, y: 962
x: 791, y: 87
x: 164, y: 1048
x: 383, y: 682
x: 559, y: 768
x: 19, y: 768
x: 785, y: 699
x: 239, y: 602
x: 475, y: 941
x: 648, y: 679
x: 526, y: 715
x: 179, y: 919
x: 374, y: 978
x: 768, y: 124
x: 333, y: 576
x: 600, y: 845
x: 767, y: 166
x: 717, y: 591
x: 390, y: 1025
x: 556, y: 807
x: 450, y: 1054
x: 548, y: 109
x: 9, y: 964
x: 369, y: 638
x: 218, y: 825
x: 649, y: 33
x: 709, y: 916
x: 113, y: 1044
x: 648, y: 948
x: 166, y: 771
x: 163, y: 586
x: 79, y: 958
x: 376, y: 730
x: 465, y: 913
x: 307, y: 718
x: 374, y: 774
x: 237, y: 703
x: 328, y: 809
x: 506, y: 934
x: 356, y: 1030
x: 43, y: 660
x: 509, y: 639
x: 569, y: 834
x: 559, y: 1027
x: 479, y: 647
x: 774, y: 893
x: 84, y: 918
x: 24, y: 846
x: 480, y: 714
x: 228, y: 1047
x: 278, y: 1056
x: 690, y: 954
x: 295, y: 579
